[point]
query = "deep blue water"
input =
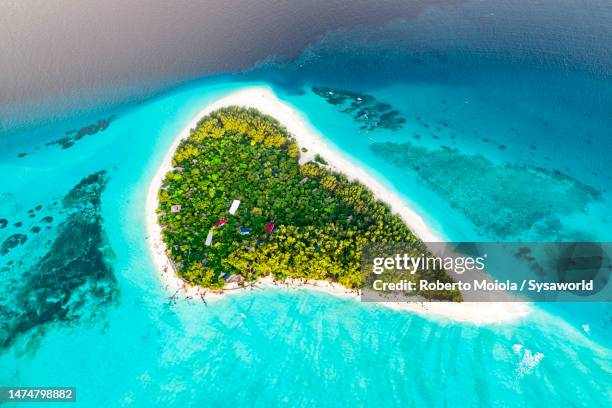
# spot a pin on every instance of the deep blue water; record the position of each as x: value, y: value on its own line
x: 502, y: 82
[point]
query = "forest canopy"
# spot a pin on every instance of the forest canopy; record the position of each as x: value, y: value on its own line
x: 293, y: 220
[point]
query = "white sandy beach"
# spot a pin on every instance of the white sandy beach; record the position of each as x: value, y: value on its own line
x: 266, y: 102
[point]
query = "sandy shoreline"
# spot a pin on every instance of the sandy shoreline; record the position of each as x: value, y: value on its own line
x: 266, y: 102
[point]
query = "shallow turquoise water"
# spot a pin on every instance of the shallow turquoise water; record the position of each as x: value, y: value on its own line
x: 297, y: 348
x: 133, y: 346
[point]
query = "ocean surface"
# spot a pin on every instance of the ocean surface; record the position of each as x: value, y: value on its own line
x: 501, y: 132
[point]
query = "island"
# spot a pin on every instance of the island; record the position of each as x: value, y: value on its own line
x: 238, y: 206
x: 250, y: 195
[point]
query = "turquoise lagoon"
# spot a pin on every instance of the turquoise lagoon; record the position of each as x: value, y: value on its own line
x: 294, y: 347
x: 123, y: 341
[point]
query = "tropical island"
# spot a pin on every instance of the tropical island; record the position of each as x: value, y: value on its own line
x: 262, y: 205
x: 238, y: 206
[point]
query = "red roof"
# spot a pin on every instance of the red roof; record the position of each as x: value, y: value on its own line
x: 221, y: 222
x: 269, y: 228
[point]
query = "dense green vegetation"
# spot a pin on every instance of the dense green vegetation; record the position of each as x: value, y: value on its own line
x: 319, y: 159
x: 321, y: 219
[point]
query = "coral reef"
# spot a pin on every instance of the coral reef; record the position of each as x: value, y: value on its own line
x: 73, y: 279
x: 365, y: 109
x: 501, y: 200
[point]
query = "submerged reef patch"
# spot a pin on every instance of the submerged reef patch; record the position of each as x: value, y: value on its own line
x: 365, y: 109
x: 12, y: 242
x: 74, y: 135
x: 73, y: 279
x: 501, y: 200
